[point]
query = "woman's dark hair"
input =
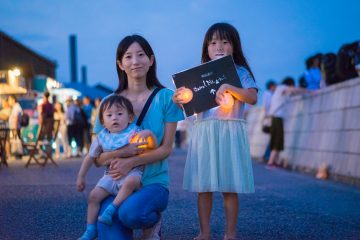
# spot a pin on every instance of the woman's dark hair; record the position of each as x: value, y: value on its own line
x: 151, y: 78
x: 227, y: 32
x: 118, y: 100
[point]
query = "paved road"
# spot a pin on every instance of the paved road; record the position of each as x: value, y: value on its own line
x: 42, y: 203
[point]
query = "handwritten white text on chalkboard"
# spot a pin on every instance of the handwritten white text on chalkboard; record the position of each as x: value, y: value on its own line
x: 209, y: 82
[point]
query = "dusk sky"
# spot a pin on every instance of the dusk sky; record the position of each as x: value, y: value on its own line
x: 277, y: 36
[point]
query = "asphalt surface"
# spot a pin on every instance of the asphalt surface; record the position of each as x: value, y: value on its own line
x: 42, y: 203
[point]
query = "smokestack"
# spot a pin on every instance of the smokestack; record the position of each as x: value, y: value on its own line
x: 73, y: 59
x: 83, y: 75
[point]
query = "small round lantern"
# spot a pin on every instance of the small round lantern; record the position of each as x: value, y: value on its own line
x: 148, y: 142
x: 227, y: 102
x: 186, y: 95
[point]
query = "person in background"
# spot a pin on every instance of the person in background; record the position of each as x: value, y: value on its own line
x: 277, y: 111
x: 313, y: 73
x: 4, y: 118
x: 62, y: 136
x: 270, y: 89
x: 46, y: 110
x: 5, y: 110
x: 16, y: 111
x: 14, y: 125
x: 94, y: 111
x: 87, y: 108
x: 74, y: 125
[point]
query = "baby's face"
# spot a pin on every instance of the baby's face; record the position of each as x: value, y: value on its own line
x: 116, y: 118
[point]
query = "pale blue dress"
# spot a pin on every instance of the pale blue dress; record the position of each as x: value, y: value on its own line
x: 218, y: 158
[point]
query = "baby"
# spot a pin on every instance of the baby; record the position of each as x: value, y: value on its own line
x: 117, y: 116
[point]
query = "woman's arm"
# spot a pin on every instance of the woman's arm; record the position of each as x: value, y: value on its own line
x: 247, y: 95
x: 121, y: 166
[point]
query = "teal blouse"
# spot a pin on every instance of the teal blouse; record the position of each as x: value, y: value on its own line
x: 161, y: 111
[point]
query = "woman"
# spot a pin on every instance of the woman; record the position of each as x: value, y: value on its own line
x: 136, y: 67
x: 62, y: 136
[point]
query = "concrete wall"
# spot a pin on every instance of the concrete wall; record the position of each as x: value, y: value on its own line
x: 320, y: 128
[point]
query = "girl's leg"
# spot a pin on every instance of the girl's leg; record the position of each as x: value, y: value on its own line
x: 131, y: 183
x: 204, y: 211
x: 231, y: 205
x: 96, y: 196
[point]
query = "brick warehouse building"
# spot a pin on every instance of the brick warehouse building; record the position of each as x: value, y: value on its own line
x: 14, y: 54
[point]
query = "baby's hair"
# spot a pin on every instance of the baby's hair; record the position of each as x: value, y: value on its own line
x: 118, y: 100
x: 225, y: 31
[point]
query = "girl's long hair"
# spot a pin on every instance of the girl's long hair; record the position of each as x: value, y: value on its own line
x: 151, y: 78
x: 229, y: 33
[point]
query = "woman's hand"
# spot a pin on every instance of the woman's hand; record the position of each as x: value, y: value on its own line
x: 120, y: 167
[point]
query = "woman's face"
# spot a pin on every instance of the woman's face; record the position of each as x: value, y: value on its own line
x: 218, y: 48
x: 58, y: 106
x: 135, y: 62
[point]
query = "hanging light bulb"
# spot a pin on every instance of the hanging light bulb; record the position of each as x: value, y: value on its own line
x: 227, y: 102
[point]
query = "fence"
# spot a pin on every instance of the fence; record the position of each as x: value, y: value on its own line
x: 320, y: 128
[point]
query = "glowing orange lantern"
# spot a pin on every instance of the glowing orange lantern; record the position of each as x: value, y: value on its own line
x: 227, y: 102
x: 148, y: 142
x: 186, y: 95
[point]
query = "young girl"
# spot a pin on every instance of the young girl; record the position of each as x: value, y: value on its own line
x: 116, y: 115
x: 218, y: 158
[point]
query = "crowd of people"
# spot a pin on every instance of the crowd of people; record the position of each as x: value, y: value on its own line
x: 76, y: 118
x: 321, y: 70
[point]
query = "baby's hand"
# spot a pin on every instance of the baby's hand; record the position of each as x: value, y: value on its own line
x: 182, y: 95
x: 80, y: 184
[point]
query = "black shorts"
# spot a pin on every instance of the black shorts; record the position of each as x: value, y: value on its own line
x: 277, y: 134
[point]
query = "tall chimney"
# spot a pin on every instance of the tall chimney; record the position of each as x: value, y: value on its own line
x: 83, y: 75
x: 73, y: 59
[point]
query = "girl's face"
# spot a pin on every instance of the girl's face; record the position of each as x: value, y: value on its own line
x: 218, y: 48
x: 135, y: 62
x: 116, y: 118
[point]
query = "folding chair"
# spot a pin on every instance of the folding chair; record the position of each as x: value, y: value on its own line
x: 4, y: 136
x: 42, y: 147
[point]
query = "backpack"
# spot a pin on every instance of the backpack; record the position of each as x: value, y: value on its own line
x: 24, y: 120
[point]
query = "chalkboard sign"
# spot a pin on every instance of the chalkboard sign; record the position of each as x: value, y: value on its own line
x: 204, y: 80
